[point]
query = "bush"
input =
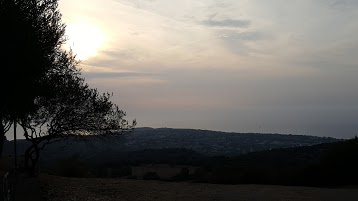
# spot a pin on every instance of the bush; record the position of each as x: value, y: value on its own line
x: 151, y: 176
x: 183, y: 175
x: 72, y: 167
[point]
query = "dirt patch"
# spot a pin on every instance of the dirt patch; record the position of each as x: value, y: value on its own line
x: 97, y: 189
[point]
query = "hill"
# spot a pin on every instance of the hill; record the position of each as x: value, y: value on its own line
x: 330, y: 164
x: 205, y: 142
x: 217, y: 157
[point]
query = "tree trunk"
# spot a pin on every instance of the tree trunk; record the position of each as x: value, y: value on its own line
x: 2, y: 139
x: 32, y: 156
x: 2, y: 136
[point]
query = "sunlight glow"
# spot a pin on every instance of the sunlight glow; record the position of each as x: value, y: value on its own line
x: 84, y: 39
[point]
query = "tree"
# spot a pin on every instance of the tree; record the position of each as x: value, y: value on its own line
x: 31, y: 37
x: 75, y: 111
x: 50, y: 100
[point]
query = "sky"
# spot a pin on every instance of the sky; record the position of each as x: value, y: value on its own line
x: 262, y: 66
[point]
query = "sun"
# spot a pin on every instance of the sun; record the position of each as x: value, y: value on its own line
x: 84, y: 39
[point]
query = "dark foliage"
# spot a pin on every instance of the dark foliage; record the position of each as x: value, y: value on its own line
x: 151, y: 176
x: 331, y: 164
x: 184, y: 175
x: 43, y: 89
x: 323, y: 165
x: 72, y: 167
x: 31, y: 37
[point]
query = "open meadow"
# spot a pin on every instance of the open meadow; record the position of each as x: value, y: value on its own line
x: 96, y: 189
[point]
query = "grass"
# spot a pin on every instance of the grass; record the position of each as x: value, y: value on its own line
x: 56, y: 188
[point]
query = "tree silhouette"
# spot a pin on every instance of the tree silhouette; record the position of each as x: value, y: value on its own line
x: 31, y: 37
x: 75, y: 111
x: 41, y: 86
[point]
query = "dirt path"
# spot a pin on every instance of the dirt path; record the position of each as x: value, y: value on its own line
x: 60, y: 188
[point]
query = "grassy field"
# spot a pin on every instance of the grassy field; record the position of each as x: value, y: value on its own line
x: 93, y: 189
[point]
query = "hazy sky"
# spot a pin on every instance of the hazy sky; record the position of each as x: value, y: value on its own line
x: 231, y: 65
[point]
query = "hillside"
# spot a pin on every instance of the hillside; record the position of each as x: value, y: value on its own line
x: 214, y: 142
x: 272, y: 159
x: 209, y: 143
x: 330, y: 164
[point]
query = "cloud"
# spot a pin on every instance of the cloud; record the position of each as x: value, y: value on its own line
x: 90, y: 75
x: 244, y: 35
x: 231, y: 23
x: 344, y: 4
x: 244, y: 43
x: 283, y: 66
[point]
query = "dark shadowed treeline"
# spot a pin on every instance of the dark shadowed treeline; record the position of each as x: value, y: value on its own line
x: 320, y: 165
x: 329, y: 164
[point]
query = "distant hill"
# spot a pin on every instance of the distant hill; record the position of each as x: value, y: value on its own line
x: 329, y: 164
x: 220, y: 157
x: 204, y: 142
x: 214, y: 142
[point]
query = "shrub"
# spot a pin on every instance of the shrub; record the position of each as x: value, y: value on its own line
x: 151, y: 176
x: 72, y: 167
